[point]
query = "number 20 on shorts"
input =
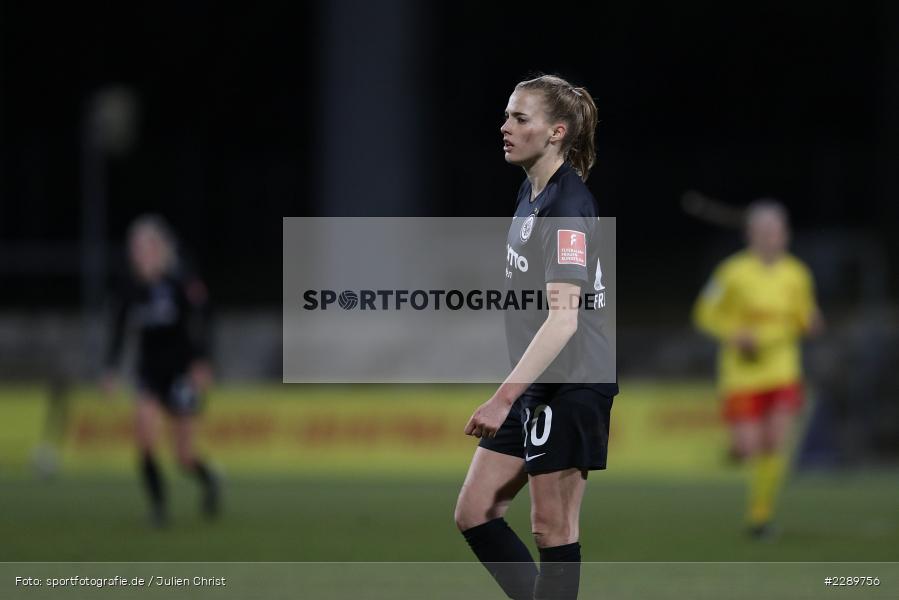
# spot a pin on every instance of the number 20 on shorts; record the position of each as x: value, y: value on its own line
x: 547, y: 425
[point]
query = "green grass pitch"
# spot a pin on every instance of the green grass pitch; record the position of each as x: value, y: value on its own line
x: 650, y: 533
x: 853, y: 518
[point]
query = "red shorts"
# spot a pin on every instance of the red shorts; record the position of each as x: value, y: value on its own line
x: 752, y: 406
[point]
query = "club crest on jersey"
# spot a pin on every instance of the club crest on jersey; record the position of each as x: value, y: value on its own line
x: 526, y: 228
x: 572, y: 247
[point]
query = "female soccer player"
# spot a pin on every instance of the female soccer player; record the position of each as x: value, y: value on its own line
x: 758, y: 304
x: 547, y: 424
x: 168, y: 308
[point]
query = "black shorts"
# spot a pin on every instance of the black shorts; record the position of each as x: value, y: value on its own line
x: 568, y: 427
x: 174, y: 391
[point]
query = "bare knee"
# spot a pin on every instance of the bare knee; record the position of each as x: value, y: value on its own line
x: 184, y: 443
x: 493, y: 480
x: 186, y: 458
x: 748, y: 440
x: 464, y: 521
x: 145, y: 428
x: 184, y: 451
x: 743, y: 451
x: 552, y: 529
x: 776, y: 432
x: 186, y: 462
x: 470, y: 514
x: 145, y: 444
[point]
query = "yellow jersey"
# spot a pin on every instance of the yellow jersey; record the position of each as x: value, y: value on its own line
x: 774, y: 303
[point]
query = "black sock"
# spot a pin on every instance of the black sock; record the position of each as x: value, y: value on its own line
x: 505, y: 556
x: 153, y: 482
x: 210, y: 501
x: 201, y: 472
x: 560, y: 573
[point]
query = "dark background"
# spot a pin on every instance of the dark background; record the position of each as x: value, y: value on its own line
x: 255, y: 112
x: 250, y: 112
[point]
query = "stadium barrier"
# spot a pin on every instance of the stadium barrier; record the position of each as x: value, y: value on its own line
x: 658, y: 428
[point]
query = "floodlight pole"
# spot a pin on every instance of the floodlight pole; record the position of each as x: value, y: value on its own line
x: 93, y: 230
x: 108, y: 127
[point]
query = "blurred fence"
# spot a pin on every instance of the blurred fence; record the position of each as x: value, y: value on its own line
x: 855, y: 419
x: 662, y: 429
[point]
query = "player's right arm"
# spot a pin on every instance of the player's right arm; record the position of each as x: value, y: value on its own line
x: 716, y: 314
x: 713, y: 312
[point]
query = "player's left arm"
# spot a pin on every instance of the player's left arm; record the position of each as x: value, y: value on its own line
x: 558, y: 328
x: 811, y: 320
x: 560, y: 325
x: 563, y: 240
x: 804, y: 318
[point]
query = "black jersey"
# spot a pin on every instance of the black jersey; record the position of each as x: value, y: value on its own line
x: 555, y: 238
x: 170, y: 317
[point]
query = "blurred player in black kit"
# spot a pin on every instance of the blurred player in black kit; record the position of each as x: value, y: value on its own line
x: 168, y: 308
x: 547, y: 425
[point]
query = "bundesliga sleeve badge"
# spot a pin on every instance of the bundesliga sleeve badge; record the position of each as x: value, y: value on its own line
x: 572, y: 247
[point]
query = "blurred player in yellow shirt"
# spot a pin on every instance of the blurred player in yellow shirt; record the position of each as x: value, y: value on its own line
x: 758, y: 304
